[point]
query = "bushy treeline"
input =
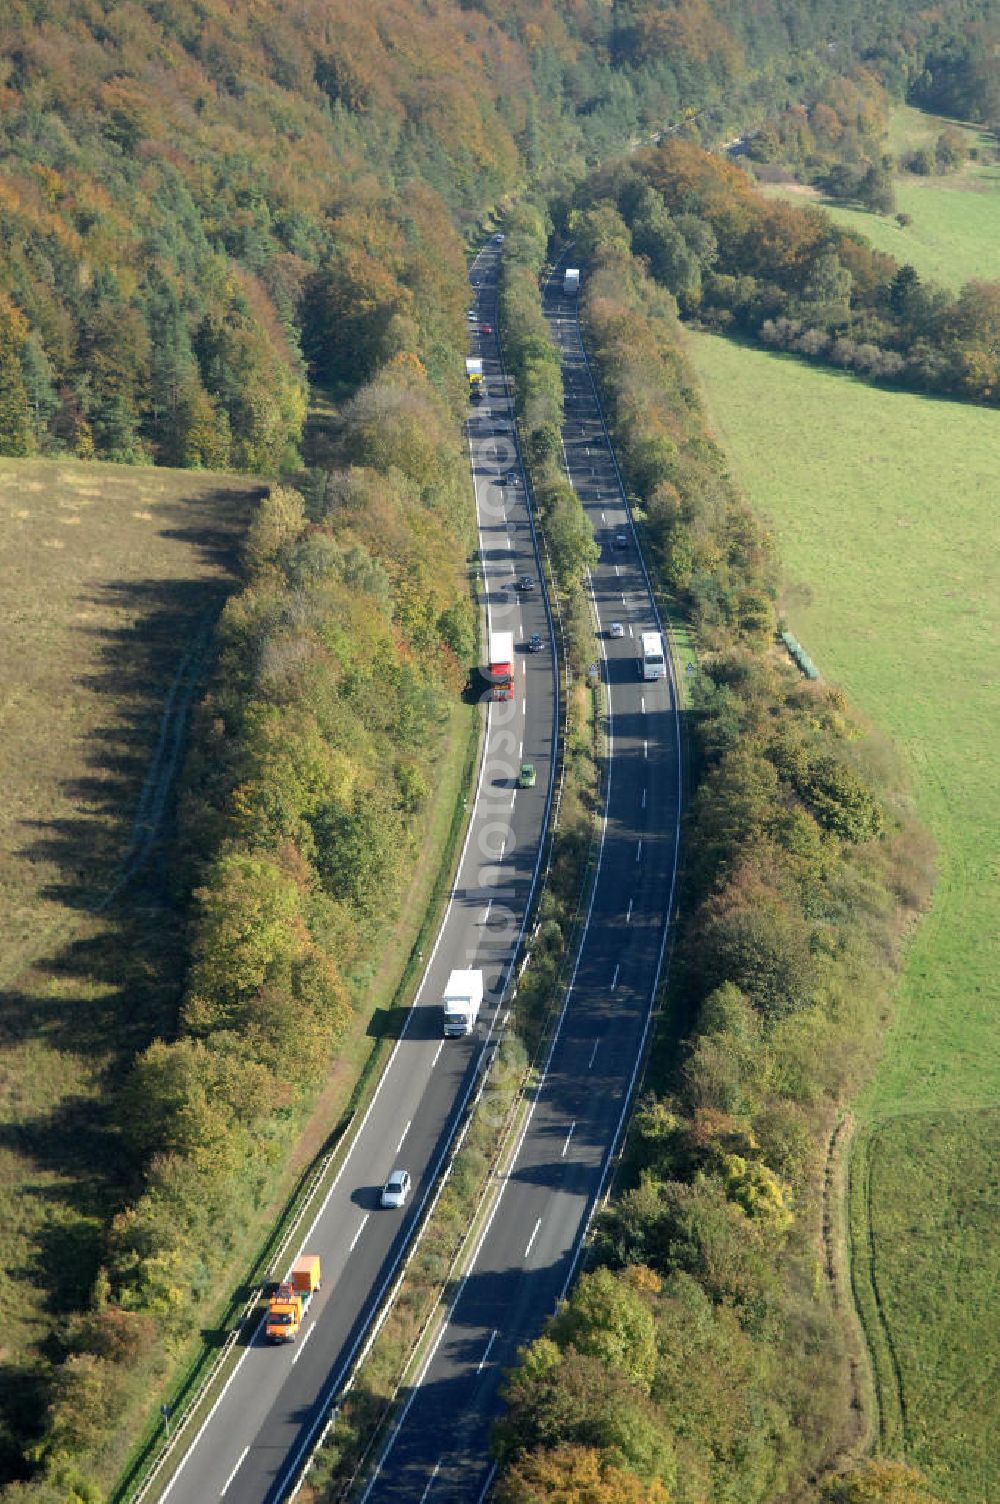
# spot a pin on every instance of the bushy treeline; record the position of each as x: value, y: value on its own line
x: 830, y: 129
x: 536, y: 366
x: 833, y: 135
x: 701, y: 1358
x: 200, y: 204
x: 788, y: 276
x: 301, y: 819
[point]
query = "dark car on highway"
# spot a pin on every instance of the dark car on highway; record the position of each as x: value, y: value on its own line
x: 535, y: 643
x: 526, y: 582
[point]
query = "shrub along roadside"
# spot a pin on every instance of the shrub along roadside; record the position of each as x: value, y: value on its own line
x: 701, y: 1353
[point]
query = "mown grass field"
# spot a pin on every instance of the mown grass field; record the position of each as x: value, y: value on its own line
x: 884, y: 509
x: 955, y: 229
x: 112, y: 579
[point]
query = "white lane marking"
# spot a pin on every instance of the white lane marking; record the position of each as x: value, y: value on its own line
x: 531, y: 1240
x: 513, y: 799
x: 630, y: 632
x: 235, y: 1470
x: 523, y: 706
x: 364, y: 1219
x: 638, y: 852
x: 617, y: 570
x: 510, y: 541
x: 593, y: 1055
x: 628, y: 913
x: 486, y: 913
x: 642, y: 702
x: 302, y: 1345
x: 486, y: 1353
x: 524, y: 667
x: 603, y: 518
x: 407, y: 1128
x: 645, y: 749
x: 430, y: 1481
x: 503, y: 848
x: 623, y: 599
x: 436, y: 1054
x: 614, y: 979
x: 644, y: 799
x: 568, y: 1137
x: 520, y: 750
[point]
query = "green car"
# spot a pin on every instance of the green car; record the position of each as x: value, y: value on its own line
x: 526, y: 778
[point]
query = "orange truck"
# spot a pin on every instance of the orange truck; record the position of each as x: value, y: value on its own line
x: 287, y: 1307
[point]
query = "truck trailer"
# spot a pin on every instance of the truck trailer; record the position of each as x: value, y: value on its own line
x: 571, y: 281
x: 463, y: 997
x: 288, y: 1305
x: 652, y: 663
x: 477, y: 384
x: 500, y: 672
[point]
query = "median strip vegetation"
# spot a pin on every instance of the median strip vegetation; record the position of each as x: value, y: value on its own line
x: 702, y: 1351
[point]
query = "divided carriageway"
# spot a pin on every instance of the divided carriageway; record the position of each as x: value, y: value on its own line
x: 438, y: 1452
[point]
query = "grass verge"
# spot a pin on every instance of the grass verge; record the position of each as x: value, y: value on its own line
x: 882, y: 504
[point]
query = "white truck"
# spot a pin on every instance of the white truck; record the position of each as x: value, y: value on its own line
x: 463, y: 998
x: 571, y: 281
x: 652, y: 663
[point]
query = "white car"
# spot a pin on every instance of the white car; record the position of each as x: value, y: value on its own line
x: 617, y: 630
x: 396, y: 1188
x: 472, y: 316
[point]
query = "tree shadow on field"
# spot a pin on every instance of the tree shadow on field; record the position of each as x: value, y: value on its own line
x: 99, y: 996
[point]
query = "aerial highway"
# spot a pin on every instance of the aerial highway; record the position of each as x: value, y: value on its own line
x: 527, y: 1252
x: 277, y: 1399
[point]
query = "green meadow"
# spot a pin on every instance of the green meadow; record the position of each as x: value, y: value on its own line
x: 883, y: 506
x: 954, y: 234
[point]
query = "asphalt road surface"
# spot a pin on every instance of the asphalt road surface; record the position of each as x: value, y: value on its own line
x: 274, y: 1405
x: 525, y: 1258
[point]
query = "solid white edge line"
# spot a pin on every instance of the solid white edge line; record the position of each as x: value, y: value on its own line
x: 669, y: 912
